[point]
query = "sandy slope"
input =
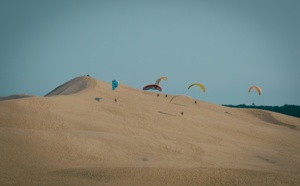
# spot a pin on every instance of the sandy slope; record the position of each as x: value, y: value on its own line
x: 79, y: 135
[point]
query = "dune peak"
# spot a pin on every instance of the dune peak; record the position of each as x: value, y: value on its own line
x: 73, y: 86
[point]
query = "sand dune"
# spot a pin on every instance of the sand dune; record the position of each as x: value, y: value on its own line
x: 79, y: 135
x: 16, y: 96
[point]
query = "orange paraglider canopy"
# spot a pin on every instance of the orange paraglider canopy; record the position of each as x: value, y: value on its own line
x: 257, y: 88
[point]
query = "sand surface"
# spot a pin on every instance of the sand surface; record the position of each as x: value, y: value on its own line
x: 79, y: 135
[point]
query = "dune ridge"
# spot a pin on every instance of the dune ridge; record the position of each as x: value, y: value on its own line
x: 73, y: 86
x: 79, y: 135
x: 16, y: 96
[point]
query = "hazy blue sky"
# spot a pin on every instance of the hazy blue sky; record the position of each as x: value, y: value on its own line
x: 225, y: 45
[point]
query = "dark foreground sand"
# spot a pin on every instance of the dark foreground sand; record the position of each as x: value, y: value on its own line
x: 152, y: 176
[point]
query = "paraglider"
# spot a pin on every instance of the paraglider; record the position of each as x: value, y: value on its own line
x: 257, y: 88
x: 161, y: 78
x: 152, y: 87
x: 114, y: 84
x: 199, y: 85
x: 181, y: 95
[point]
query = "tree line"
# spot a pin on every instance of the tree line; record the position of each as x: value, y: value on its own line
x: 292, y: 110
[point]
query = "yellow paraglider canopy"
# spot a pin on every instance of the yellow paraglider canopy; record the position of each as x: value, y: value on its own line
x: 257, y: 88
x: 161, y: 78
x: 199, y: 85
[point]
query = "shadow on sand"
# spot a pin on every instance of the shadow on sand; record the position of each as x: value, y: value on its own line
x: 166, y: 113
x: 179, y: 104
x: 98, y: 99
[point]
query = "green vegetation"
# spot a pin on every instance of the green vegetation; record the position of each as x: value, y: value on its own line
x: 292, y: 110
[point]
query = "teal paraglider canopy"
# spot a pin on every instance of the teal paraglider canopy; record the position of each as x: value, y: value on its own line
x: 114, y: 84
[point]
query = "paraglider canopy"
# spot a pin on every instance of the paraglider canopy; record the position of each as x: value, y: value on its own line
x: 152, y: 87
x: 114, y: 84
x: 159, y: 79
x: 199, y: 85
x: 183, y: 96
x: 257, y: 88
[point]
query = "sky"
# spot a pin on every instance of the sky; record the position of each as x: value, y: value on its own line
x: 227, y: 46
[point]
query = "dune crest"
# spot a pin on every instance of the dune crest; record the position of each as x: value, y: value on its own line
x: 16, y: 96
x: 95, y: 136
x: 73, y: 86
